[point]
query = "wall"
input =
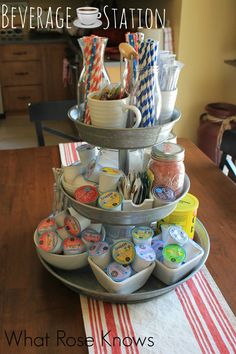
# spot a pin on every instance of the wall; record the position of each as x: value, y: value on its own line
x: 207, y: 37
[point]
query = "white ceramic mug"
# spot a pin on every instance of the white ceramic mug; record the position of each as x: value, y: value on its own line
x: 111, y: 113
x: 168, y: 105
x: 88, y: 15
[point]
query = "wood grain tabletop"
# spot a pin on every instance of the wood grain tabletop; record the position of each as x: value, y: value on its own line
x: 35, y: 305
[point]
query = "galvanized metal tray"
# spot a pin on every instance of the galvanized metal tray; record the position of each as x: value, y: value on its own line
x: 137, y: 217
x: 128, y: 138
x: 84, y: 282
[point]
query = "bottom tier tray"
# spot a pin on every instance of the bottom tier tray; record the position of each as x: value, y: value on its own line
x: 84, y: 282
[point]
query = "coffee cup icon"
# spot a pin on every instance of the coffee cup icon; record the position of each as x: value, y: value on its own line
x: 88, y: 16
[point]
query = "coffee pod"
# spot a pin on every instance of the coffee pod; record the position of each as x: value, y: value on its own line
x: 72, y: 225
x: 158, y: 245
x: 123, y: 252
x: 111, y: 201
x: 145, y: 255
x: 100, y: 254
x: 108, y: 179
x: 174, y: 234
x: 163, y: 195
x: 173, y: 256
x: 177, y: 235
x: 165, y: 231
x: 97, y: 227
x: 93, y: 171
x: 71, y: 172
x: 86, y: 153
x: 87, y: 195
x: 60, y: 218
x: 50, y: 242
x: 73, y: 245
x: 83, y: 221
x: 90, y: 236
x: 142, y: 235
x: 63, y: 232
x: 118, y: 272
x: 48, y: 224
x: 80, y: 181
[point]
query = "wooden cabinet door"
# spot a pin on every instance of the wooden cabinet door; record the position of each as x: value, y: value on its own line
x: 17, y: 98
x: 21, y: 73
x: 19, y: 52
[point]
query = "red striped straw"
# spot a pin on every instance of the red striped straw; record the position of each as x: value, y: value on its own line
x: 95, y: 73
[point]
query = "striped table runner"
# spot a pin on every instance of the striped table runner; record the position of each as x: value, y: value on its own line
x: 194, y: 318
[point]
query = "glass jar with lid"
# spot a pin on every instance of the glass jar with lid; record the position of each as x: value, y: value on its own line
x: 166, y: 167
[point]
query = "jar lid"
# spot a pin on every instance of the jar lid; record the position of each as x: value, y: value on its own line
x: 168, y: 152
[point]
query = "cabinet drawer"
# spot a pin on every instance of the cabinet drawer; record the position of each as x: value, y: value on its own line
x: 17, y: 98
x: 15, y: 74
x: 18, y: 52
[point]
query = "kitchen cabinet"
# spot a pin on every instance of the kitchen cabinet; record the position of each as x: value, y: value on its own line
x: 30, y: 73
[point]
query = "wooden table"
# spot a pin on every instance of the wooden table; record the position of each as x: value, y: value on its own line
x: 31, y: 299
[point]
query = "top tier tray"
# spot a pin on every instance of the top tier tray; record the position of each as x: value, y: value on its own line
x: 128, y: 138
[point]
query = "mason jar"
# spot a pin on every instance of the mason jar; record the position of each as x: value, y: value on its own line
x: 166, y: 167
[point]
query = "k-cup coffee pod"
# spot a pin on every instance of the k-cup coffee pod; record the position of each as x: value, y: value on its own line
x: 73, y: 245
x: 60, y: 218
x: 86, y: 153
x: 97, y: 227
x: 177, y: 235
x: 100, y: 253
x: 71, y: 172
x: 158, y: 245
x: 72, y: 225
x: 163, y: 195
x: 50, y: 242
x: 93, y: 171
x: 173, y: 255
x: 83, y: 221
x: 87, y: 195
x: 111, y: 201
x: 63, y: 232
x: 145, y: 255
x: 90, y: 236
x: 47, y: 224
x: 118, y: 272
x: 123, y: 252
x: 142, y: 235
x: 174, y: 234
x: 108, y: 179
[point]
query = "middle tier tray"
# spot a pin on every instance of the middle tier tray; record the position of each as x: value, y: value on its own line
x: 128, y: 138
x: 139, y: 217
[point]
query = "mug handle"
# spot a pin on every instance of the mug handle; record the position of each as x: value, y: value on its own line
x: 99, y: 15
x: 136, y: 112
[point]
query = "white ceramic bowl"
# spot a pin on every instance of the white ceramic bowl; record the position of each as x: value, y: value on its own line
x: 66, y: 262
x: 170, y: 275
x: 127, y: 286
